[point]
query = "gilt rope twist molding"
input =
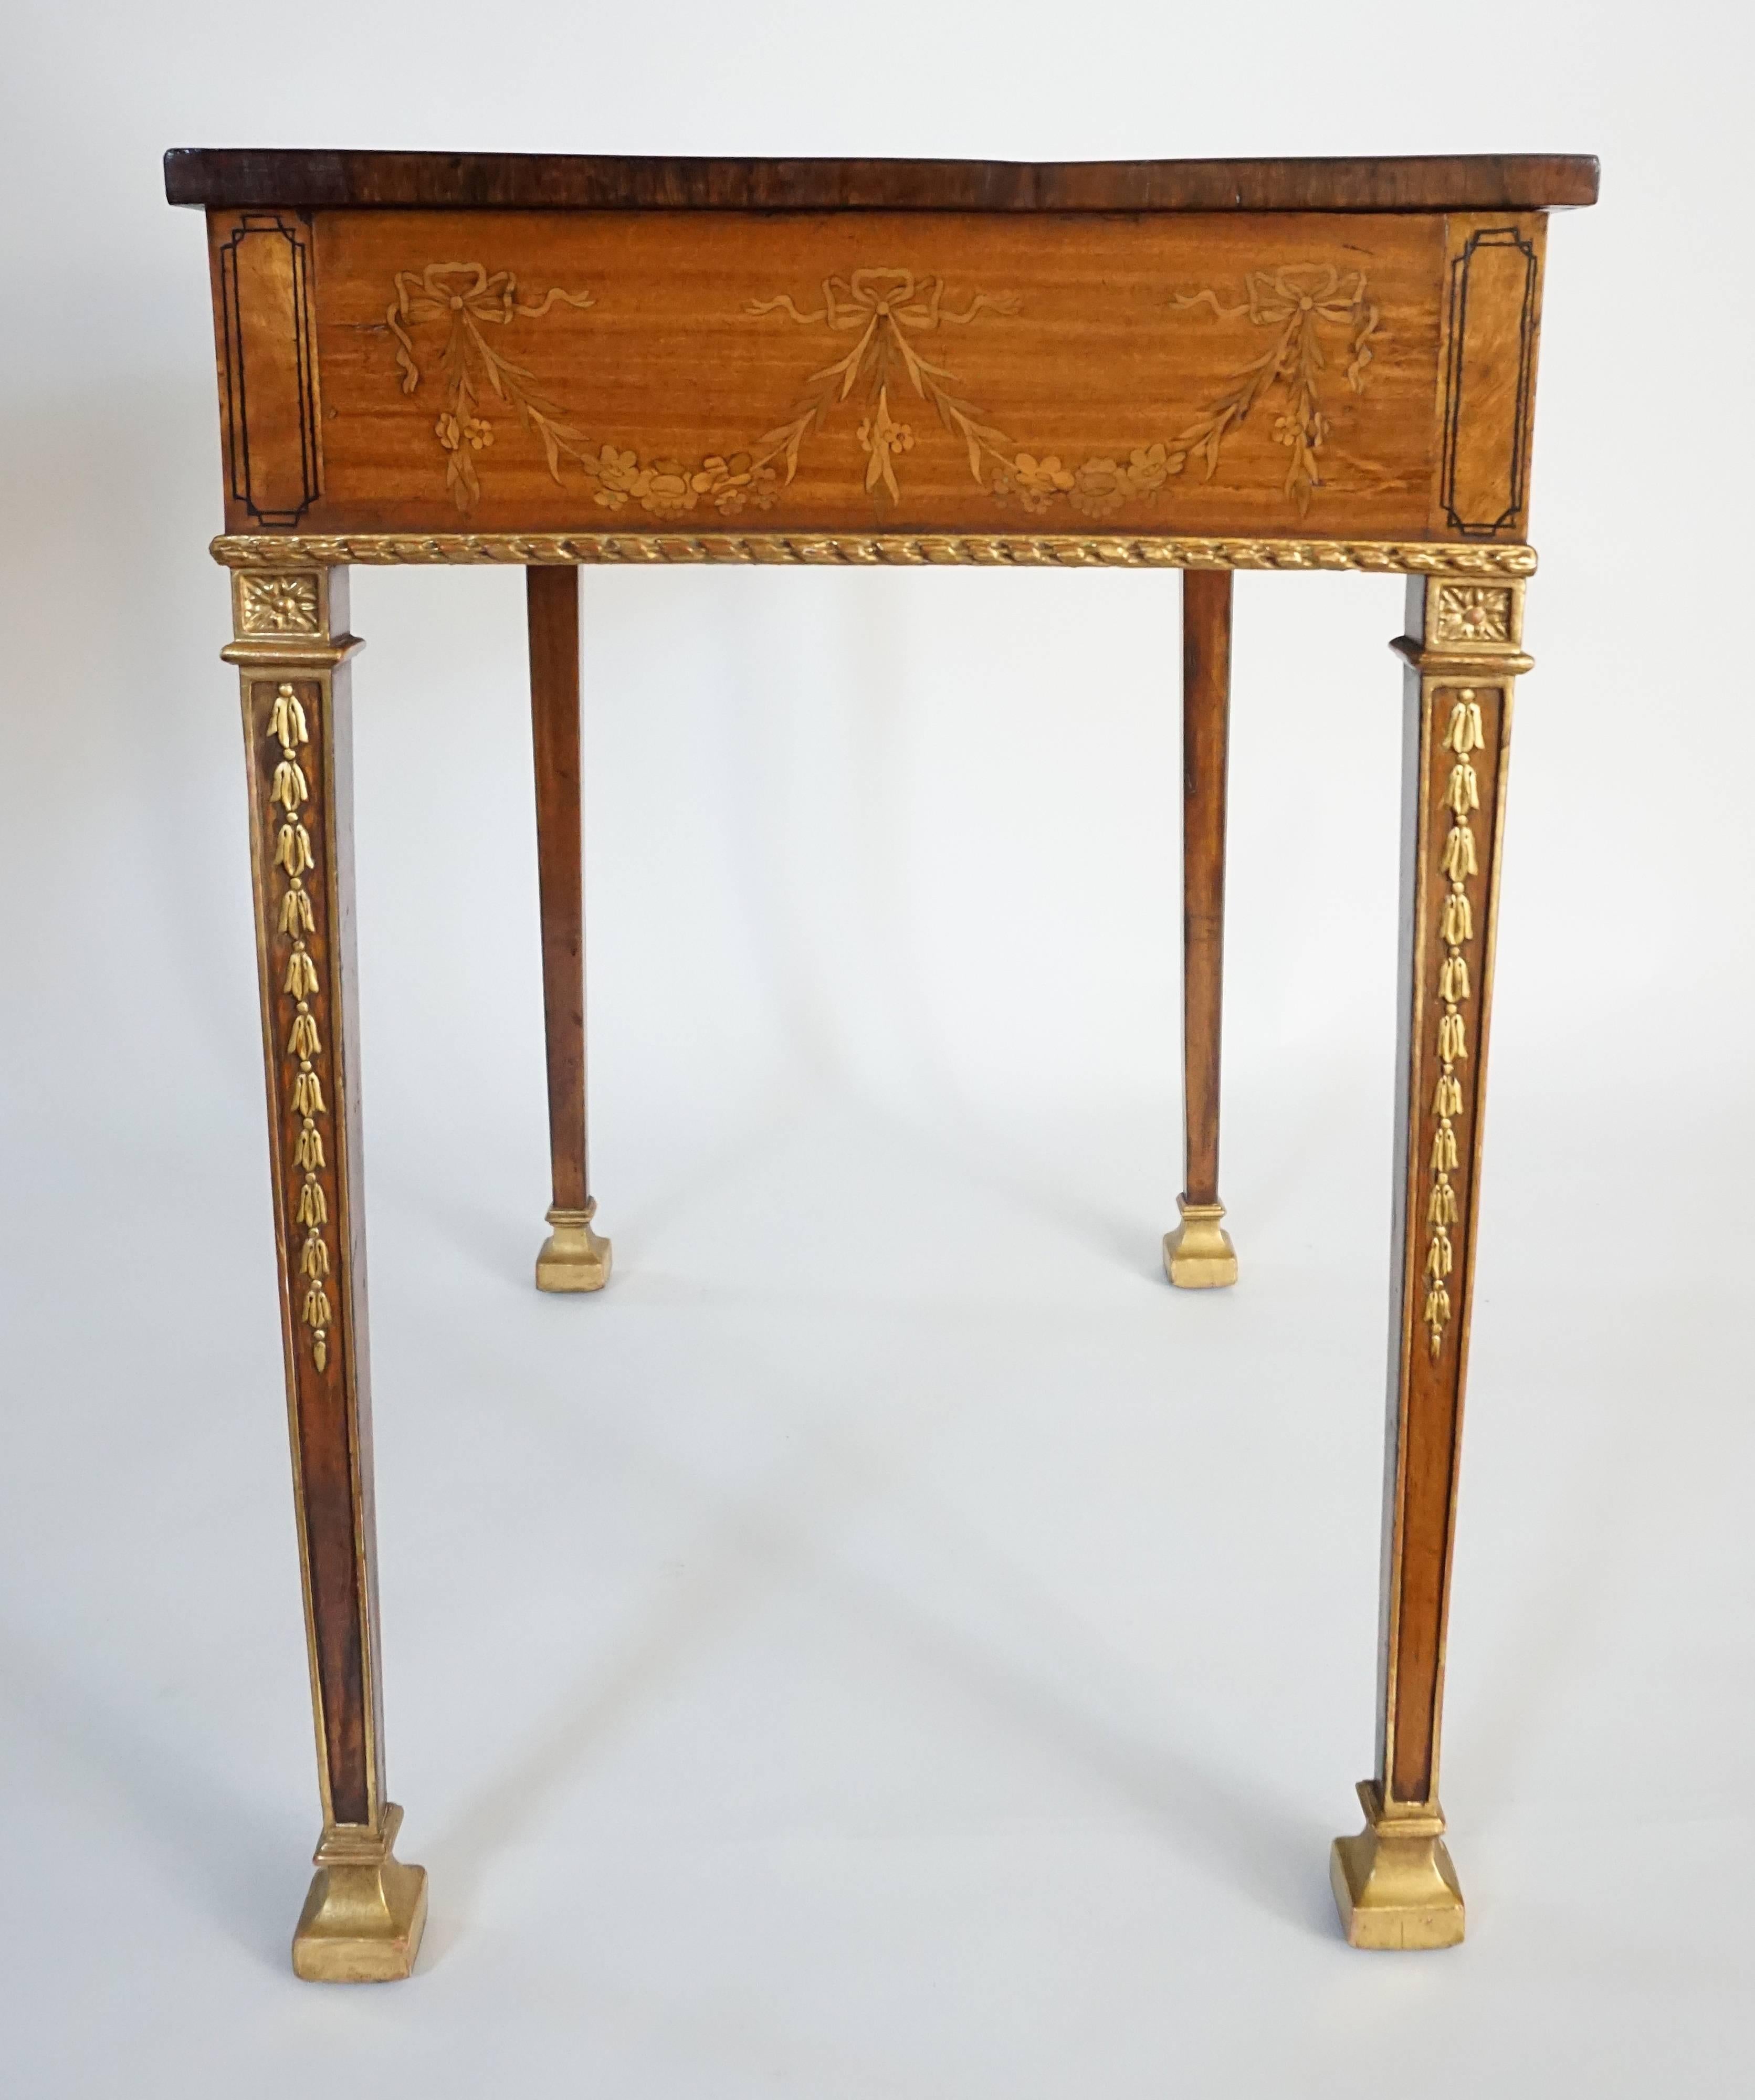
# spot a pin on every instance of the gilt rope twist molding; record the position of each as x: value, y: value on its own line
x: 295, y: 856
x: 888, y: 310
x: 1458, y: 862
x: 248, y: 550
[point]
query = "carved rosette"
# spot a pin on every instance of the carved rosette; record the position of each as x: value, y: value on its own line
x: 1465, y: 614
x: 277, y: 604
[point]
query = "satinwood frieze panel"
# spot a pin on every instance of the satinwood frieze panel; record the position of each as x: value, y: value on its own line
x: 484, y: 371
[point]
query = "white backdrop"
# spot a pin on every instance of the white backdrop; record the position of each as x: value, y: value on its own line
x: 890, y: 1644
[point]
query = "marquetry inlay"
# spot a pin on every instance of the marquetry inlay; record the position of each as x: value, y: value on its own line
x: 895, y: 316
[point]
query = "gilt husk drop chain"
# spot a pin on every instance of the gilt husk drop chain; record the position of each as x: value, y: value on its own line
x: 294, y: 857
x: 1459, y: 863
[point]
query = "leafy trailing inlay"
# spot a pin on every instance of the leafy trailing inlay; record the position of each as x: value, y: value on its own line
x: 471, y: 300
x: 1296, y: 303
x: 887, y: 310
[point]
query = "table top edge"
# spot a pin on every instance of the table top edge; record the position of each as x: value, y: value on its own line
x: 243, y: 179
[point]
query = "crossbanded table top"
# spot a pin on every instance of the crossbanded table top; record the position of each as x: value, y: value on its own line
x: 322, y: 179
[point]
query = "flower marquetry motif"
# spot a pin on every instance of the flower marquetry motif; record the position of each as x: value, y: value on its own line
x: 469, y: 299
x: 1299, y: 306
x: 895, y: 317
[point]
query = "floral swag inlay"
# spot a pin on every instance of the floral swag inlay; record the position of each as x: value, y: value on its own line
x: 889, y: 311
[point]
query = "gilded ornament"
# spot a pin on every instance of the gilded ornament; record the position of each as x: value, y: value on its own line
x: 245, y: 550
x: 278, y: 605
x: 286, y: 719
x: 1458, y: 859
x: 1458, y: 924
x: 1464, y: 733
x: 289, y: 789
x: 1473, y: 612
x: 292, y: 849
x: 295, y: 910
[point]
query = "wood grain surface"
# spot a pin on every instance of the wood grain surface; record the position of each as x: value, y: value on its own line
x: 1207, y: 599
x: 323, y: 180
x: 552, y: 606
x: 1269, y: 374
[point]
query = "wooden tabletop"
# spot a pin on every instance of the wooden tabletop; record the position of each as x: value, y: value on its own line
x: 243, y: 178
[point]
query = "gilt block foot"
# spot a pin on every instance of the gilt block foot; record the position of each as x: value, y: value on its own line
x: 1198, y: 1255
x: 573, y: 1257
x: 362, y: 1919
x: 1394, y: 1884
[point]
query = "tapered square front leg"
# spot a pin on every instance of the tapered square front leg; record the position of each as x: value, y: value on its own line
x: 362, y: 1921
x: 573, y: 1257
x: 1394, y: 1883
x: 1198, y: 1254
